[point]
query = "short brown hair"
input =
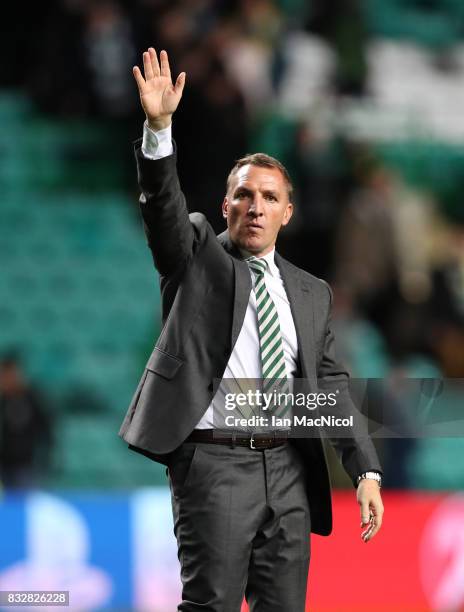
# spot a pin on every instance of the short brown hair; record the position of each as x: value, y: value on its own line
x: 262, y: 160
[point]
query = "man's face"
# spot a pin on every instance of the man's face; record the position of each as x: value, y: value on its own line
x: 256, y: 207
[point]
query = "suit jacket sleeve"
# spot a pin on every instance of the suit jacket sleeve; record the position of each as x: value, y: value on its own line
x: 167, y: 226
x: 353, y: 446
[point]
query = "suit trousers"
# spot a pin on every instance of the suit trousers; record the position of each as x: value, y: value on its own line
x: 242, y: 524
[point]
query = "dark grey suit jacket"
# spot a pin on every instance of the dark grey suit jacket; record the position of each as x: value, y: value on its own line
x: 205, y: 289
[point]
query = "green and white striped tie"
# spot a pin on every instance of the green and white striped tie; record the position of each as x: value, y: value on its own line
x: 273, y: 367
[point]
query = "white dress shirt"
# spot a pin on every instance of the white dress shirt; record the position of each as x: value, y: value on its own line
x: 245, y: 359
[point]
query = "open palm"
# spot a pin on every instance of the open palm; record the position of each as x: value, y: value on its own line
x: 159, y: 97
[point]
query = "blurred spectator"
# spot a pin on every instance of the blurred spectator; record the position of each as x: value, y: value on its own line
x: 446, y: 302
x: 341, y: 23
x: 25, y: 428
x: 83, y: 61
x: 324, y: 183
x: 250, y: 52
x: 386, y: 266
x: 367, y: 259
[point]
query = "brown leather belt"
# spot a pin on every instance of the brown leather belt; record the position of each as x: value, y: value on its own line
x: 256, y: 441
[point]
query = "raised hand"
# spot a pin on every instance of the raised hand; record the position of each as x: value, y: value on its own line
x: 159, y: 97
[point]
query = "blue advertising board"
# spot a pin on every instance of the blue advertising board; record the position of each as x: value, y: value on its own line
x: 109, y: 550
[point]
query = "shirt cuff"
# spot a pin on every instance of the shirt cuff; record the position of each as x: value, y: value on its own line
x: 156, y: 145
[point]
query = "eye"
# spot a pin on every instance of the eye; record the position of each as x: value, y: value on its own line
x: 240, y: 195
x: 271, y: 197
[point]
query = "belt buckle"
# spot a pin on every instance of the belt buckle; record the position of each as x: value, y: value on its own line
x: 252, y: 445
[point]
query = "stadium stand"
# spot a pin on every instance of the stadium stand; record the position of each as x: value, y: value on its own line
x: 78, y: 292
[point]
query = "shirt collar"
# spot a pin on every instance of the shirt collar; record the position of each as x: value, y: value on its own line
x: 269, y: 258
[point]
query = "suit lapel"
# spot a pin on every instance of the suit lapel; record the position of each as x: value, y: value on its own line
x: 301, y: 303
x: 242, y: 285
x: 242, y: 296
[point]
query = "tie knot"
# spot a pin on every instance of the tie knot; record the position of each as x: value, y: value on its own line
x: 257, y: 265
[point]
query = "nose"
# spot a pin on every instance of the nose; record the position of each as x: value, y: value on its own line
x: 256, y: 207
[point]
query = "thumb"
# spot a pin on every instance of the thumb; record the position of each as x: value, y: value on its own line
x: 180, y: 82
x: 365, y: 513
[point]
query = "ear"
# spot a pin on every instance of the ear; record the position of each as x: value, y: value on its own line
x: 287, y: 214
x: 225, y: 207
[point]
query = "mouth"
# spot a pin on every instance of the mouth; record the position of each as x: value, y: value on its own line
x: 255, y: 226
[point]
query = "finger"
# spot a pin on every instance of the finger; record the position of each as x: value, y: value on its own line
x: 376, y: 524
x: 374, y: 530
x: 366, y: 536
x: 370, y: 533
x: 365, y: 513
x: 180, y: 82
x: 370, y: 521
x: 138, y: 77
x: 165, y: 69
x: 366, y: 532
x: 147, y: 66
x: 154, y: 62
x: 377, y: 512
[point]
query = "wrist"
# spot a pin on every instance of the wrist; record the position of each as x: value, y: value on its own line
x: 370, y: 476
x: 160, y: 123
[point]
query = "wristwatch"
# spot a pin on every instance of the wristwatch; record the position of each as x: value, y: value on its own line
x: 372, y: 475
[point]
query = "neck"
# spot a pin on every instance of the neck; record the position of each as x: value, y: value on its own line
x: 245, y: 254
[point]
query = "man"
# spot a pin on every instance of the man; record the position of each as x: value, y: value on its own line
x: 243, y: 503
x: 25, y: 428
